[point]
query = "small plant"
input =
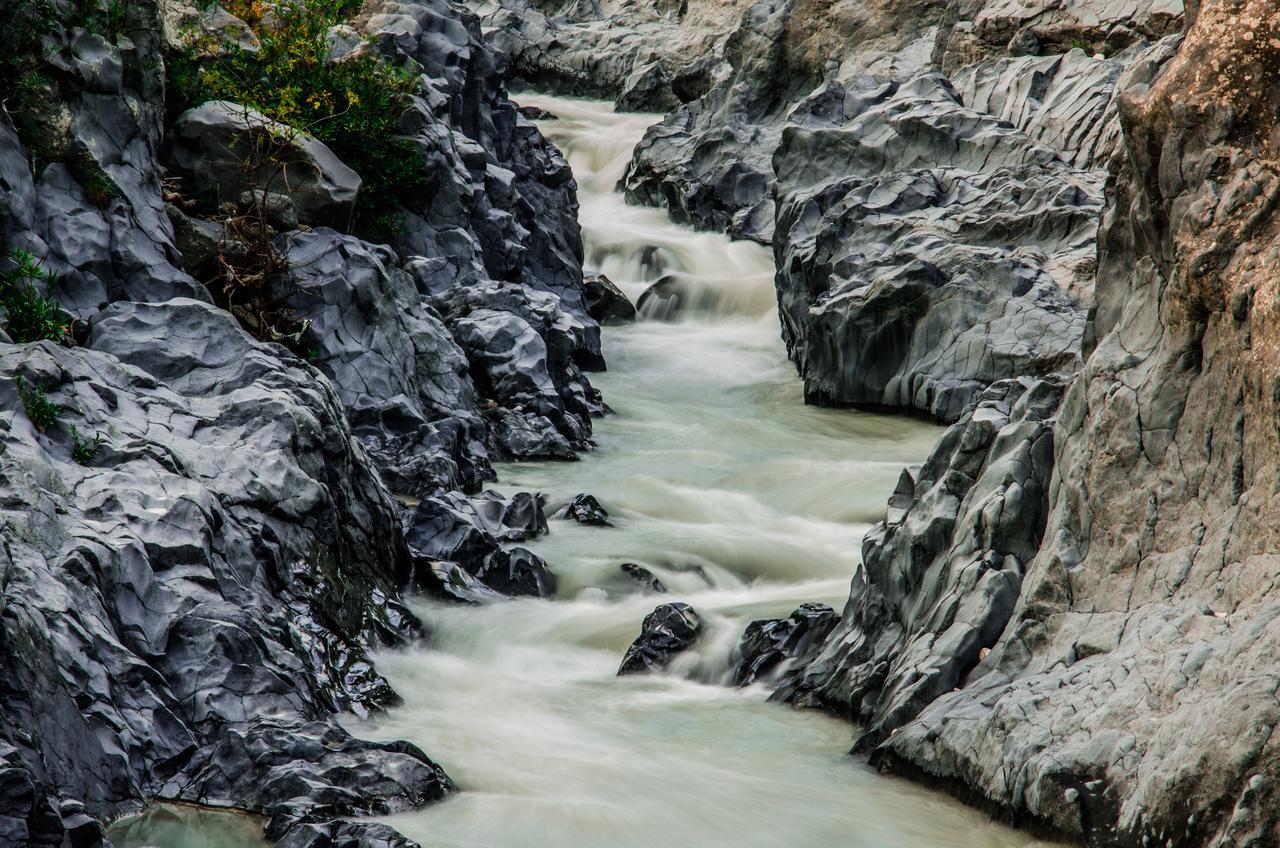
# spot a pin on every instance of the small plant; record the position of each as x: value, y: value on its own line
x: 42, y: 411
x: 30, y: 315
x: 84, y: 450
x: 98, y: 189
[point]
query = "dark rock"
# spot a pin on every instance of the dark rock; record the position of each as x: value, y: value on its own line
x: 451, y: 581
x: 668, y: 630
x: 451, y: 528
x: 605, y: 302
x: 516, y: 520
x: 211, y: 146
x: 312, y: 772
x: 517, y: 572
x: 769, y: 646
x: 585, y: 509
x: 649, y: 583
x: 536, y: 113
x: 526, y: 435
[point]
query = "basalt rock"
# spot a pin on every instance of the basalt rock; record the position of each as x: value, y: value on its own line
x: 451, y: 528
x: 213, y: 147
x: 770, y: 646
x: 585, y: 509
x: 665, y: 632
x: 606, y: 302
x: 648, y: 582
x: 941, y: 575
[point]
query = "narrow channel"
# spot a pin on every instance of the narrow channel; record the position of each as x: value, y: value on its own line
x: 745, y: 503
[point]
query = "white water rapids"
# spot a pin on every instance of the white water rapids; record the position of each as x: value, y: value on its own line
x: 745, y: 503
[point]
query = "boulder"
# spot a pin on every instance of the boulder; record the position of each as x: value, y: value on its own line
x: 605, y: 302
x: 585, y: 509
x: 217, y: 148
x: 668, y: 630
x: 770, y: 646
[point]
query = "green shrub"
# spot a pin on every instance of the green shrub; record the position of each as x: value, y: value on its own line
x: 42, y: 411
x: 353, y: 106
x: 29, y: 315
x: 84, y: 450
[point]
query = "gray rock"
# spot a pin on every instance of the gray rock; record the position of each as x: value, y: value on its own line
x: 941, y: 575
x: 584, y: 509
x: 225, y: 149
x: 605, y: 302
x: 646, y: 579
x: 221, y: 32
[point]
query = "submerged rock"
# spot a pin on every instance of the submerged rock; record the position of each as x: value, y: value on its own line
x: 649, y: 583
x: 668, y: 630
x: 585, y: 509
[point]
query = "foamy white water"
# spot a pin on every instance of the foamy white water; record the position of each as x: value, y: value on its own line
x: 745, y: 503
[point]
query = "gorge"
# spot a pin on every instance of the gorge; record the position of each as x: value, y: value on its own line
x: 266, y: 498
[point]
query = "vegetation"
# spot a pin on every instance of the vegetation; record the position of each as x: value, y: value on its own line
x: 30, y: 315
x: 84, y: 450
x: 42, y: 411
x: 353, y: 106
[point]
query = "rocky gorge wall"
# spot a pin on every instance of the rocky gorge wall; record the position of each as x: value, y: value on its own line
x: 1067, y: 615
x: 200, y: 540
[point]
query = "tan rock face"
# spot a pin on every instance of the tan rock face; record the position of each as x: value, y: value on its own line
x: 1137, y: 680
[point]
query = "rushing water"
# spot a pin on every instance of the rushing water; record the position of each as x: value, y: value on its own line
x: 745, y: 503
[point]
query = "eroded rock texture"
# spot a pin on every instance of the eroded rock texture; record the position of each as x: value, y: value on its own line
x: 200, y: 544
x: 1129, y: 697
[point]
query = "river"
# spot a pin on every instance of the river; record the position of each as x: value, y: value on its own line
x: 746, y: 503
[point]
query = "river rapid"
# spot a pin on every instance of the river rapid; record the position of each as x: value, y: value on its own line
x: 745, y: 503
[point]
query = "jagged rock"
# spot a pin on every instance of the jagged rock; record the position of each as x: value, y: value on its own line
x: 228, y: 520
x: 516, y: 435
x: 1135, y: 680
x: 585, y: 509
x: 450, y: 527
x: 514, y: 520
x: 941, y: 575
x: 769, y: 646
x: 212, y: 147
x: 315, y: 771
x: 402, y: 377
x: 605, y: 302
x: 450, y: 580
x: 668, y: 630
x: 196, y: 239
x: 343, y: 834
x: 649, y: 583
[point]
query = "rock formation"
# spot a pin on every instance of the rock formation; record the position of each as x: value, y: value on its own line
x: 200, y: 544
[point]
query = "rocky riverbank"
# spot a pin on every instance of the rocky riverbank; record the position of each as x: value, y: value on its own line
x: 1049, y: 224
x: 215, y: 374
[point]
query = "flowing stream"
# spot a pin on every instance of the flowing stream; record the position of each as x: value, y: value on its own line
x: 745, y: 503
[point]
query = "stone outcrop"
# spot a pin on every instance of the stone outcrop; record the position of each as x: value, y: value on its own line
x: 201, y: 546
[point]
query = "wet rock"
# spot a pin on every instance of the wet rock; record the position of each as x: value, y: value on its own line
x: 768, y: 646
x: 668, y: 630
x: 449, y: 580
x: 536, y: 113
x: 516, y: 435
x: 517, y: 572
x: 452, y: 528
x: 664, y: 299
x: 605, y: 302
x: 513, y: 520
x: 312, y: 772
x: 585, y: 509
x: 648, y: 582
x: 211, y: 146
x: 340, y: 834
